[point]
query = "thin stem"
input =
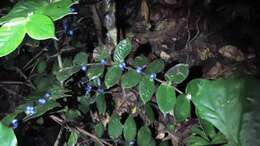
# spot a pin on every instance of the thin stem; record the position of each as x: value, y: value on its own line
x: 58, y: 54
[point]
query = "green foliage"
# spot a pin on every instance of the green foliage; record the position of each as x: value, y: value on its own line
x: 182, y: 109
x: 112, y: 76
x: 101, y: 104
x: 130, y: 79
x: 166, y: 98
x: 7, y: 136
x: 34, y: 17
x: 146, y: 89
x: 177, y: 73
x: 80, y: 58
x: 73, y: 138
x: 122, y: 50
x: 144, y: 136
x: 99, y: 130
x: 115, y: 127
x: 155, y: 67
x: 130, y: 129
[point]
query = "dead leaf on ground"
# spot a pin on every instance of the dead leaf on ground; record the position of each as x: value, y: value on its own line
x: 232, y: 53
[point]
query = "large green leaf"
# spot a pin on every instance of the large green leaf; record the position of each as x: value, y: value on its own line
x: 177, y: 73
x: 115, y: 127
x: 144, y: 136
x: 40, y: 27
x: 155, y: 67
x: 73, y: 138
x: 112, y: 76
x: 11, y: 36
x: 146, y: 89
x: 166, y: 98
x: 130, y: 79
x: 101, y: 103
x: 182, y: 108
x: 130, y: 129
x: 122, y: 50
x: 7, y: 136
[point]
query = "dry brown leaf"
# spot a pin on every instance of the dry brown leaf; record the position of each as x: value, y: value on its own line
x: 232, y: 53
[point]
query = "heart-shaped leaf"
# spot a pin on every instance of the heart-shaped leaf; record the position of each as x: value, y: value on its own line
x: 115, y: 127
x: 166, y: 98
x: 146, y: 89
x: 130, y: 79
x: 182, y: 108
x: 112, y: 76
x: 177, y: 73
x: 40, y: 27
x: 101, y: 104
x: 130, y: 129
x: 155, y: 67
x: 11, y: 36
x: 7, y: 136
x: 122, y: 50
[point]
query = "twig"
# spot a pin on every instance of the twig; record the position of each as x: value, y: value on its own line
x: 59, y: 136
x: 58, y: 54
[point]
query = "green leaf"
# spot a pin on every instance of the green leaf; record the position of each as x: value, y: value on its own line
x: 80, y: 58
x: 215, y: 100
x: 130, y: 129
x: 112, y: 76
x: 177, y: 73
x: 102, y: 54
x: 122, y: 50
x: 166, y: 98
x: 41, y: 67
x: 71, y: 114
x: 199, y: 131
x: 73, y: 139
x: 66, y: 72
x: 114, y: 127
x: 7, y: 136
x: 130, y: 79
x: 218, y: 139
x: 146, y: 89
x: 155, y: 67
x: 140, y: 61
x: 196, y: 141
x: 149, y: 112
x: 165, y: 143
x: 95, y: 71
x: 11, y: 36
x: 182, y: 108
x: 144, y: 136
x: 40, y: 27
x: 99, y: 130
x: 101, y: 104
x: 208, y: 128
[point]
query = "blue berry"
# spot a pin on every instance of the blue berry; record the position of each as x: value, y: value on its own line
x: 42, y: 101
x: 122, y: 66
x: 72, y: 9
x: 65, y: 26
x: 103, y: 61
x: 30, y: 110
x: 84, y: 67
x: 14, y: 123
x: 139, y: 69
x: 100, y: 90
x: 88, y: 88
x: 47, y: 95
x: 153, y: 76
x: 131, y: 143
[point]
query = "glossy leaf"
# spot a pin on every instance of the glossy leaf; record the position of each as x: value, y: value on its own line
x: 177, y: 73
x: 166, y: 98
x: 80, y: 58
x: 95, y: 71
x: 155, y: 67
x: 122, y: 50
x: 112, y: 76
x: 114, y: 127
x: 101, y: 104
x: 182, y: 108
x: 11, y: 36
x: 146, y: 89
x: 130, y: 79
x: 40, y: 27
x: 144, y: 136
x: 215, y: 100
x: 130, y: 129
x: 73, y: 138
x: 99, y: 130
x: 140, y: 61
x: 7, y: 136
